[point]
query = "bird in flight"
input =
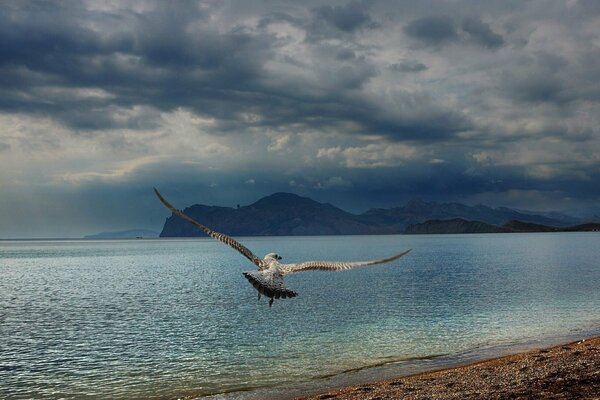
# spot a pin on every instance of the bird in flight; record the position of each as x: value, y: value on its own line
x: 268, y: 279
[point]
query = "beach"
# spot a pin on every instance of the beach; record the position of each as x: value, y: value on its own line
x: 567, y: 371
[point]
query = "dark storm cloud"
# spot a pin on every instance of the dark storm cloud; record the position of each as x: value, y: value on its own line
x: 156, y: 63
x: 327, y: 22
x: 345, y: 54
x: 359, y: 103
x: 449, y: 181
x: 347, y: 18
x: 545, y: 78
x: 481, y: 33
x: 536, y: 88
x: 413, y: 116
x: 280, y: 17
x: 408, y: 66
x: 169, y: 57
x: 172, y: 57
x: 434, y: 30
x: 443, y: 29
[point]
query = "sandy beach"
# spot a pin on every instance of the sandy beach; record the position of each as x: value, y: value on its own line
x: 568, y: 371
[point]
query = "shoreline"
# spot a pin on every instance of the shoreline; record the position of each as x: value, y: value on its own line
x: 569, y: 370
x: 386, y: 372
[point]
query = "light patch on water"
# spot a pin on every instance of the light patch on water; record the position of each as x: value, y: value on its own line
x: 168, y: 318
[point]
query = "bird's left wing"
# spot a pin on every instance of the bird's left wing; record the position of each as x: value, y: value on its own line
x: 213, y: 234
x: 333, y: 265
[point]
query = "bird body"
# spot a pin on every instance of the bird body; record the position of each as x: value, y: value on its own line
x: 268, y: 278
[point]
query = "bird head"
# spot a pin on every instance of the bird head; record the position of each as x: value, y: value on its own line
x: 274, y: 256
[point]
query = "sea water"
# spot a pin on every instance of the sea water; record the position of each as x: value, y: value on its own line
x: 172, y: 318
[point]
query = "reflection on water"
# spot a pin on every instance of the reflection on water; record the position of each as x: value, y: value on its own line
x: 167, y: 318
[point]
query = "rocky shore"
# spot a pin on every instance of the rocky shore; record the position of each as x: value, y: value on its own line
x: 569, y: 371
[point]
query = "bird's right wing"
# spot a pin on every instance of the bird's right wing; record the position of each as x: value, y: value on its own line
x: 333, y: 265
x: 215, y: 235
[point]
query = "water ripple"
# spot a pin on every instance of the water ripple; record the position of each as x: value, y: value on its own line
x: 168, y: 318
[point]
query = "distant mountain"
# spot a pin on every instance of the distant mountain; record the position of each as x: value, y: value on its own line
x: 277, y: 214
x: 290, y: 214
x: 587, y: 227
x: 595, y: 219
x: 455, y: 225
x: 520, y: 226
x: 130, y: 234
x: 585, y: 214
x: 418, y: 211
x: 459, y: 225
x: 567, y: 219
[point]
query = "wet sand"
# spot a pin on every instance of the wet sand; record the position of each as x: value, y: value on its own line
x: 569, y: 371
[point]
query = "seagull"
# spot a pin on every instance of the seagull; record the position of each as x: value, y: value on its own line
x: 268, y: 279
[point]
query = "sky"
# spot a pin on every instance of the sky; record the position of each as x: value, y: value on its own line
x: 357, y: 103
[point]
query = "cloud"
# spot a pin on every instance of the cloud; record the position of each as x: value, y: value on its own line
x: 333, y: 182
x: 408, y: 66
x: 357, y: 103
x: 481, y: 33
x: 441, y: 30
x: 121, y: 173
x: 434, y: 30
x: 369, y: 156
x: 161, y: 59
x: 279, y: 143
x: 348, y: 18
x: 135, y: 66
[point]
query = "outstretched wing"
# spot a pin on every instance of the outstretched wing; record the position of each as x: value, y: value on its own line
x: 215, y: 235
x: 333, y: 265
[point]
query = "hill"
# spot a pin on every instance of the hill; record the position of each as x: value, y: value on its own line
x: 417, y: 211
x: 459, y: 225
x: 277, y: 214
x: 290, y: 214
x: 455, y: 225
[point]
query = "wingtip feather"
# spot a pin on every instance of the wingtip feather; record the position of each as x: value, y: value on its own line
x: 163, y: 200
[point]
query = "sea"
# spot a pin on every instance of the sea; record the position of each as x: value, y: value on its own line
x: 175, y: 318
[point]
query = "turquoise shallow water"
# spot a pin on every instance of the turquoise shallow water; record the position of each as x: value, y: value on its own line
x: 169, y: 318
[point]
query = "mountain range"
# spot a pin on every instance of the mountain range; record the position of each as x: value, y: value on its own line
x: 290, y: 214
x: 459, y: 225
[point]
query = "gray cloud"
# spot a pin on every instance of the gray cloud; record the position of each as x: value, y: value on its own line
x: 442, y: 30
x: 536, y: 88
x: 156, y: 63
x: 549, y: 78
x: 434, y: 30
x: 408, y: 66
x: 358, y: 103
x: 481, y: 33
x: 349, y: 17
x: 173, y: 57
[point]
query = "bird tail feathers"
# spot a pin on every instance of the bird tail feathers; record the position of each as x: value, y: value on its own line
x: 269, y: 284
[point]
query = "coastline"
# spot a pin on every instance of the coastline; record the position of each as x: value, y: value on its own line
x: 570, y: 370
